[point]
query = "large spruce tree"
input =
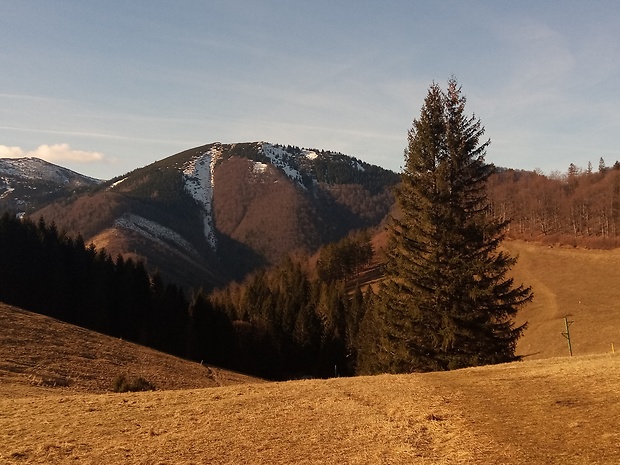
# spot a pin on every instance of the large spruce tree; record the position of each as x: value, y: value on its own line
x: 446, y: 301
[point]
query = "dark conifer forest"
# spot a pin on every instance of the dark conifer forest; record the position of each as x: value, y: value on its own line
x: 280, y: 323
x: 46, y: 271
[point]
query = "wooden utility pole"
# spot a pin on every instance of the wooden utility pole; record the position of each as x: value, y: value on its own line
x: 566, y: 333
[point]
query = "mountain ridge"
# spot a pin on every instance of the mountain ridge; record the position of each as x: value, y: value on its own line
x: 29, y: 183
x: 213, y: 213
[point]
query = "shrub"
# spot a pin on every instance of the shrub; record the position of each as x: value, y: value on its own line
x: 123, y: 384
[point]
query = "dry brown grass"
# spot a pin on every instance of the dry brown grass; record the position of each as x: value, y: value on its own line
x: 579, y: 282
x: 537, y: 412
x: 40, y: 355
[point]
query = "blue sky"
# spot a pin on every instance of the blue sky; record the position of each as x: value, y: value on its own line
x: 103, y: 87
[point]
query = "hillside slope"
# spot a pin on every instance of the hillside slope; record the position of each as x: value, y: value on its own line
x: 555, y: 411
x: 580, y: 283
x: 40, y: 355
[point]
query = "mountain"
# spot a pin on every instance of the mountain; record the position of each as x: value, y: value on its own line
x: 27, y: 184
x: 216, y: 212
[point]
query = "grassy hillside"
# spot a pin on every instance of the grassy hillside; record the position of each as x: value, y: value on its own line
x: 578, y: 282
x: 566, y: 280
x: 40, y: 355
x: 554, y: 411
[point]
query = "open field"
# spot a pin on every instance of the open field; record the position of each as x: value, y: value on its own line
x: 538, y: 412
x: 578, y: 282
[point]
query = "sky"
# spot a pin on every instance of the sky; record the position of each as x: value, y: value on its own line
x: 104, y: 87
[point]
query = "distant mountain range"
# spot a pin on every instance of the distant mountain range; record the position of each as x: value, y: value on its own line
x: 27, y: 184
x: 210, y: 214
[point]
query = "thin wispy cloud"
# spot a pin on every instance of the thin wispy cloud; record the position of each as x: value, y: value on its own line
x: 24, y: 97
x: 92, y: 135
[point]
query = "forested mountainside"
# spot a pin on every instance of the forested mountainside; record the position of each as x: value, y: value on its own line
x: 302, y: 317
x: 216, y: 212
x: 579, y: 207
x: 27, y: 184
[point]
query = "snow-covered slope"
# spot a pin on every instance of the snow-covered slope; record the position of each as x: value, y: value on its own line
x: 284, y: 161
x: 198, y: 174
x: 154, y: 232
x: 307, y: 167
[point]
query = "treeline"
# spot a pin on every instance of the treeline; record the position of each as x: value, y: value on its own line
x: 340, y: 169
x: 48, y: 272
x: 579, y: 207
x: 280, y: 323
x: 332, y: 168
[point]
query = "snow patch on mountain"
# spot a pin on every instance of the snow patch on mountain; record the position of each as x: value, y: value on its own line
x: 198, y: 173
x: 6, y: 192
x: 310, y: 154
x: 116, y: 183
x: 358, y: 165
x: 259, y: 167
x: 153, y: 231
x: 284, y: 161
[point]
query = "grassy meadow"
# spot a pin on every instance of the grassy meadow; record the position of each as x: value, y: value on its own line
x: 552, y: 411
x: 568, y: 281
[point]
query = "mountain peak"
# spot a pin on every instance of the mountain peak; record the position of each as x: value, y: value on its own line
x: 218, y: 211
x: 36, y: 168
x: 28, y: 183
